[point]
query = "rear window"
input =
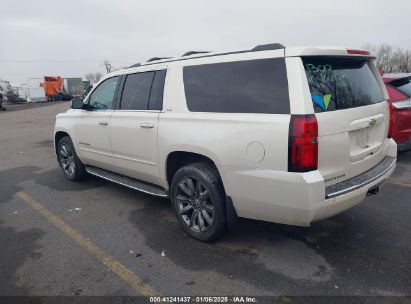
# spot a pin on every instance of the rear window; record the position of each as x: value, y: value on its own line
x: 341, y: 83
x: 403, y: 85
x: 252, y: 86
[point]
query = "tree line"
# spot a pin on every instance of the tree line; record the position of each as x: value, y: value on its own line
x: 391, y: 59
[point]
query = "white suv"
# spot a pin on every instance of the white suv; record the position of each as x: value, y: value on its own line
x: 286, y: 135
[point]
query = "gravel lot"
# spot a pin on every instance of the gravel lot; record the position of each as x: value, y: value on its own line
x: 364, y: 251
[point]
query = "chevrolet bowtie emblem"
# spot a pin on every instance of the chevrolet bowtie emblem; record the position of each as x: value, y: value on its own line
x: 372, y: 122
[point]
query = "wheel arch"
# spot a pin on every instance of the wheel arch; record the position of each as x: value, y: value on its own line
x: 58, y: 135
x: 178, y: 158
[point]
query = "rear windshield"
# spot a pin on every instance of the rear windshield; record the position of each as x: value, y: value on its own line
x: 341, y: 83
x: 403, y: 85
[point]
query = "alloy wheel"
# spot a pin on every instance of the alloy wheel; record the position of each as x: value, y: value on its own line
x: 67, y: 160
x: 194, y: 204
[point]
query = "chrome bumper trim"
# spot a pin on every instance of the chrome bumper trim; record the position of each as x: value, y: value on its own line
x: 361, y: 180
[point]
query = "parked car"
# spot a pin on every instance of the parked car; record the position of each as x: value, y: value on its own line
x: 3, y: 101
x: 286, y: 135
x: 399, y: 90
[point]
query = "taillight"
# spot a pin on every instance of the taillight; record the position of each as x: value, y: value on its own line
x: 391, y: 120
x: 358, y: 52
x: 303, y: 143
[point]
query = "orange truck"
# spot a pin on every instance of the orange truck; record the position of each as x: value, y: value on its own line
x: 57, y: 88
x: 53, y: 88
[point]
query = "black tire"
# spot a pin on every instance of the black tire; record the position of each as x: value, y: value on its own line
x: 204, y: 195
x: 69, y: 162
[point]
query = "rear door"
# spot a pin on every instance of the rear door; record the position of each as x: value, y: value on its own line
x: 352, y: 114
x: 134, y: 125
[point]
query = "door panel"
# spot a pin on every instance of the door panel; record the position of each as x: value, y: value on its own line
x: 93, y: 138
x: 134, y: 144
x: 93, y: 129
x: 134, y: 127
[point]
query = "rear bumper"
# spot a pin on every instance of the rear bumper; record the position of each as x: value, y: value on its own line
x: 301, y: 198
x: 349, y: 193
x: 361, y: 180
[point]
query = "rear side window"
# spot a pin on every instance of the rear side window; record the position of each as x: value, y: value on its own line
x: 136, y: 91
x: 341, y: 83
x: 157, y: 91
x: 252, y: 86
x: 403, y: 85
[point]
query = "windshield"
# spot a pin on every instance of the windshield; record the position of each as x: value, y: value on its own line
x: 403, y: 85
x: 338, y: 83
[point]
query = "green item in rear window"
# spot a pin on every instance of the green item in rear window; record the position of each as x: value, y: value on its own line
x: 338, y: 83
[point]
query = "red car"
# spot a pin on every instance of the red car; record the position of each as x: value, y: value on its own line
x: 399, y: 90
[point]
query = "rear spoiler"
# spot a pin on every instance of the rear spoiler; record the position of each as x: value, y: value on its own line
x: 399, y: 80
x: 327, y: 51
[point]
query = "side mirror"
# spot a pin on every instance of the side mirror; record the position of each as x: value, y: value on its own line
x: 77, y: 103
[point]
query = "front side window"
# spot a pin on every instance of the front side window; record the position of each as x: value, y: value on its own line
x: 136, y: 92
x: 103, y: 96
x: 338, y: 83
x: 251, y: 86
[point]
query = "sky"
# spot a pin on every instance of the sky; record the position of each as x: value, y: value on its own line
x: 72, y: 38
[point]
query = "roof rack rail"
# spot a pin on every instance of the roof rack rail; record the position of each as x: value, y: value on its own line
x: 261, y: 47
x: 157, y: 58
x: 135, y: 65
x: 268, y: 47
x: 194, y: 52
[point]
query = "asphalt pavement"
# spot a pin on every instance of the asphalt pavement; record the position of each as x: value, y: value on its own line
x: 95, y: 238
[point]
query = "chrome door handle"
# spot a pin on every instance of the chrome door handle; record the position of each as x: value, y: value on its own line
x: 103, y: 123
x: 147, y: 125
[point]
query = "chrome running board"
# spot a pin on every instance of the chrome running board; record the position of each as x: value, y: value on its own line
x: 128, y: 182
